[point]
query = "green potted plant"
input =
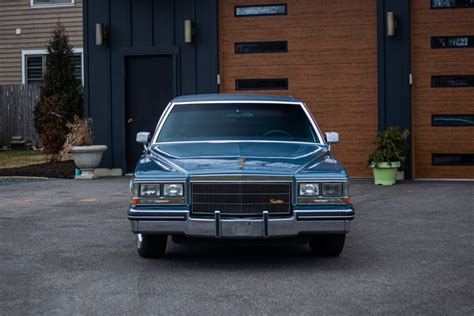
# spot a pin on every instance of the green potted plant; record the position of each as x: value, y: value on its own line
x: 389, y: 155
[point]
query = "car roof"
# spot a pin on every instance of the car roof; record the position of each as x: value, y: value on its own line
x: 234, y: 97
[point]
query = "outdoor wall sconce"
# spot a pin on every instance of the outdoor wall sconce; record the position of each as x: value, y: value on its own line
x: 100, y: 34
x: 188, y: 31
x: 391, y: 24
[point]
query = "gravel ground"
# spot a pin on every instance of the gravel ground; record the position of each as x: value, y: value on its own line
x: 66, y: 248
x: 13, y: 181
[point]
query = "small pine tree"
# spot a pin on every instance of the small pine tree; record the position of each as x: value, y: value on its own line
x: 61, y: 94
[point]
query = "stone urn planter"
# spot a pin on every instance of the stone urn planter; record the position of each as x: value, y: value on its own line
x: 87, y: 158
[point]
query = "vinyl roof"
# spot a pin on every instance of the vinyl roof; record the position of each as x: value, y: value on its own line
x: 234, y: 97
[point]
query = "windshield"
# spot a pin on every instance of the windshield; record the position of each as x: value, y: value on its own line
x: 262, y: 121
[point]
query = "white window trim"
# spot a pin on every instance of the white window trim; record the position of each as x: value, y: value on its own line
x: 25, y: 53
x: 52, y: 5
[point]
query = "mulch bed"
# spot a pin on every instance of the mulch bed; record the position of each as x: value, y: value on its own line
x: 60, y: 169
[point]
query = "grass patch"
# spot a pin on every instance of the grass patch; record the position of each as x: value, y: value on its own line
x: 21, y: 158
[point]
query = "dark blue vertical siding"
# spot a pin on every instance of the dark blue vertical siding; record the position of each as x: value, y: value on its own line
x: 393, y: 66
x: 142, y: 23
x: 98, y: 103
x: 163, y: 26
x: 120, y: 37
x: 206, y: 55
x: 143, y: 27
x: 185, y: 10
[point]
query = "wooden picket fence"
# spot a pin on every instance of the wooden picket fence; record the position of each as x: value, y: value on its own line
x: 17, y: 103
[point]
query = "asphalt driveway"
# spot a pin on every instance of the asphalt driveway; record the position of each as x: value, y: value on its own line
x: 66, y: 248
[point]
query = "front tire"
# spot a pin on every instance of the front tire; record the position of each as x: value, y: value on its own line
x: 327, y: 245
x: 151, y: 246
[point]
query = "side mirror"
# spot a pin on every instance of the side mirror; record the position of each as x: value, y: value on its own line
x: 143, y: 138
x: 332, y: 138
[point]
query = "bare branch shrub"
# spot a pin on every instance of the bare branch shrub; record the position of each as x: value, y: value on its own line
x: 80, y: 134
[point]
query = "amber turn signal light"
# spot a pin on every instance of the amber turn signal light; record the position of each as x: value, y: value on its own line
x: 135, y: 201
x: 347, y: 200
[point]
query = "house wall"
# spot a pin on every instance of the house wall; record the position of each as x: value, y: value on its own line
x: 429, y: 100
x: 36, y: 25
x: 143, y: 28
x: 355, y: 78
x: 331, y: 64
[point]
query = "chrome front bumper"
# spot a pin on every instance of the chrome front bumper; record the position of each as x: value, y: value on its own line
x: 180, y: 222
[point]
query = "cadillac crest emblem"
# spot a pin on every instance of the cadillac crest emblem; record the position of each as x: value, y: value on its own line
x: 241, y: 162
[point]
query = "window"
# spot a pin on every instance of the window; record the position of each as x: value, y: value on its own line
x: 452, y: 120
x: 445, y: 4
x: 253, y: 10
x: 34, y: 65
x: 51, y: 3
x: 452, y: 41
x: 262, y: 84
x: 77, y: 62
x: 466, y: 159
x: 238, y: 121
x: 452, y: 81
x: 261, y: 47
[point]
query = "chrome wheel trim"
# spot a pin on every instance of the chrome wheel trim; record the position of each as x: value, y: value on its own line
x: 139, y: 241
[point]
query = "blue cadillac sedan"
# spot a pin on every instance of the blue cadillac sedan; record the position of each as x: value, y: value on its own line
x: 239, y: 166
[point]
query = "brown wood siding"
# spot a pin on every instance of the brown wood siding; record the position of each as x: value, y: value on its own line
x: 36, y: 25
x: 330, y: 64
x: 426, y: 100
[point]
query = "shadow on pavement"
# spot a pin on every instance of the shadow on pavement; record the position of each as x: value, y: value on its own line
x: 245, y: 256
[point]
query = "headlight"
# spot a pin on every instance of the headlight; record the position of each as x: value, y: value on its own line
x: 309, y: 189
x: 157, y: 193
x: 323, y: 193
x: 149, y: 190
x: 331, y: 189
x: 173, y: 190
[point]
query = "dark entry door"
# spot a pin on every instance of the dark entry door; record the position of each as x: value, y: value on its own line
x: 149, y: 88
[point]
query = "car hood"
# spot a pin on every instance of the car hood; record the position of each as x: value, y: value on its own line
x: 198, y: 158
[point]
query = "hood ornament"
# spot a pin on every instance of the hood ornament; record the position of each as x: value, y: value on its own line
x: 241, y: 162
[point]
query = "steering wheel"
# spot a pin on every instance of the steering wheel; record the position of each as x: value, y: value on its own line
x: 278, y: 131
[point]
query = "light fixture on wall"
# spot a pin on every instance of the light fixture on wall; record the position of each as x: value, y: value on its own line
x: 188, y: 31
x: 391, y: 24
x: 100, y: 34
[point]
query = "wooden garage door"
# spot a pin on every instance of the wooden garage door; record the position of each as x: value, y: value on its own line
x: 443, y: 88
x: 323, y: 52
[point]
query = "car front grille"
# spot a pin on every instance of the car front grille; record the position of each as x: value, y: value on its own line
x: 240, y: 198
